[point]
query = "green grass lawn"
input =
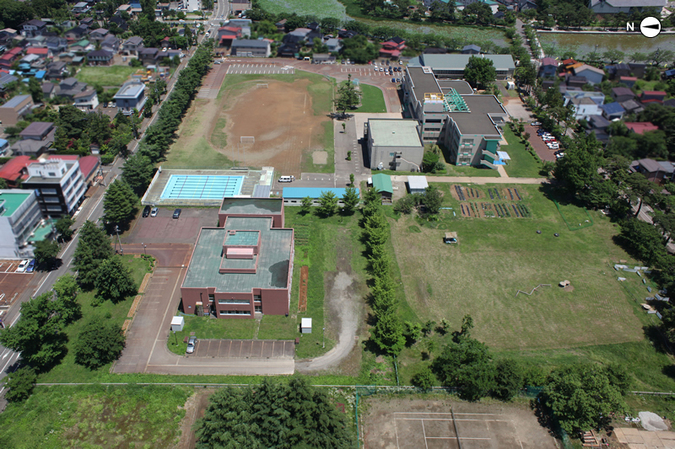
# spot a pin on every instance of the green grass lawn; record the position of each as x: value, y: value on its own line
x: 316, y: 8
x: 96, y: 416
x: 114, y: 75
x: 522, y: 163
x: 372, y: 100
x: 68, y: 370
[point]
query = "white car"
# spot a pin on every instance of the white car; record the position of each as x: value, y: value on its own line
x: 560, y: 155
x: 22, y: 266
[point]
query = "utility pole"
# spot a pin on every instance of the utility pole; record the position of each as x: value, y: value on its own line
x: 117, y: 230
x: 323, y: 338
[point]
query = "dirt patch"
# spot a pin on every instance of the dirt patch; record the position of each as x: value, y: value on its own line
x: 194, y: 409
x: 282, y: 121
x: 408, y: 423
x: 462, y: 193
x: 320, y: 157
x: 304, y: 277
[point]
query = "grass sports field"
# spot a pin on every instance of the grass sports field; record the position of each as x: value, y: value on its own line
x: 217, y: 132
x: 105, y: 76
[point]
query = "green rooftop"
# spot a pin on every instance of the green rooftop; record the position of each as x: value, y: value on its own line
x: 242, y: 238
x: 43, y: 231
x: 273, y: 261
x: 382, y: 183
x: 10, y: 202
x: 253, y: 206
x: 394, y: 132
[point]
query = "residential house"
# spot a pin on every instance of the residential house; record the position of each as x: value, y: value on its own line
x: 471, y: 49
x: 641, y: 127
x: 334, y: 45
x: 98, y: 35
x: 288, y: 50
x: 524, y: 5
x: 14, y: 171
x: 655, y: 171
x: 347, y: 34
x: 251, y: 48
x: 392, y: 48
x: 613, y: 111
x: 599, y: 122
x: 49, y: 90
x: 20, y: 217
x: 625, y: 6
x: 33, y: 28
x: 323, y: 58
x: 81, y: 48
x: 592, y: 74
x: 149, y: 55
x: 35, y: 139
x: 281, y: 25
x: 576, y: 81
x: 15, y: 109
x: 585, y: 107
x: 77, y: 33
x: 130, y: 97
x: 133, y: 45
x: 5, y: 79
x: 40, y: 52
x: 670, y: 103
x: 56, y: 44
x: 632, y: 107
x: 652, y: 96
x: 637, y: 69
x: 244, y: 24
x: 69, y: 87
x: 548, y: 68
x: 56, y: 70
x: 629, y: 81
x: 297, y: 36
x: 60, y: 185
x: 111, y: 43
x: 120, y: 22
x: 81, y: 8
x: 618, y: 70
x: 99, y: 57
x: 86, y: 100
x: 190, y: 5
x: 8, y: 58
x: 88, y: 22
x: 239, y: 6
x: 621, y: 94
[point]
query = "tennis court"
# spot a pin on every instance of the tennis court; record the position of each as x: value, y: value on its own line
x: 202, y: 187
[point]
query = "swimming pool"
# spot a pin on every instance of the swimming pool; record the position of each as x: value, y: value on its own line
x: 186, y: 187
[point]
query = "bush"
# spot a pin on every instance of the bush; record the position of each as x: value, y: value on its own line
x: 98, y: 344
x: 107, y: 159
x: 20, y: 384
x: 424, y: 379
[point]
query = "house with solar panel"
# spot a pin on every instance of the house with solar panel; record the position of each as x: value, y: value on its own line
x: 242, y: 268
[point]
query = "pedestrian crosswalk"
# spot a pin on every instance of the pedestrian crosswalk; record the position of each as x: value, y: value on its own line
x: 260, y: 69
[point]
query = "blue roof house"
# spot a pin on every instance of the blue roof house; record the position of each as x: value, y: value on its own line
x: 612, y: 111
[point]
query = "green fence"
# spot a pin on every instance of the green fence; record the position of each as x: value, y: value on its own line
x: 587, y: 224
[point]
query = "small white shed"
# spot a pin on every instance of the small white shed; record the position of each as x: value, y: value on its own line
x: 177, y: 323
x: 306, y: 326
x: 417, y: 184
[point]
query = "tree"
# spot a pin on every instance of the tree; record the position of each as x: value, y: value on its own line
x: 35, y: 89
x: 613, y: 56
x: 63, y: 227
x: 582, y: 397
x: 508, y: 379
x: 423, y: 379
x: 20, y: 384
x: 479, y: 13
x: 114, y: 281
x: 388, y: 333
x: 432, y: 200
x: 412, y: 332
x: 466, y: 364
x: 480, y: 72
x: 99, y: 343
x: 273, y: 415
x: 347, y: 96
x: 328, y: 204
x: 641, y: 187
x: 38, y: 333
x: 307, y: 203
x: 66, y: 304
x: 350, y: 200
x: 667, y: 224
x: 643, y: 240
x: 119, y: 204
x: 429, y: 161
x: 3, y: 184
x: 92, y: 249
x: 137, y: 173
x: 579, y: 167
x: 45, y: 252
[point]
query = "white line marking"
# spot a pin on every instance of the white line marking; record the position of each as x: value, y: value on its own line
x: 424, y: 433
x: 4, y: 356
x: 15, y: 319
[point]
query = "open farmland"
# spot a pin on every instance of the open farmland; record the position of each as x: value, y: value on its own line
x: 318, y: 8
x: 496, y: 257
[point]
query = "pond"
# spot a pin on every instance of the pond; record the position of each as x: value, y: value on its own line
x: 555, y: 44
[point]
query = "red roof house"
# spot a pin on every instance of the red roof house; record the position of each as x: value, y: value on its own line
x: 392, y: 48
x: 40, y: 51
x: 88, y: 165
x: 641, y: 127
x: 651, y: 96
x: 15, y: 170
x: 9, y: 57
x: 227, y: 34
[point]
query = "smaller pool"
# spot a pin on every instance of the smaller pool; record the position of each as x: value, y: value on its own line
x: 202, y: 187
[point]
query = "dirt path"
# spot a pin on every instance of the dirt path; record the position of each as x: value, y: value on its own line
x: 194, y: 409
x: 342, y: 312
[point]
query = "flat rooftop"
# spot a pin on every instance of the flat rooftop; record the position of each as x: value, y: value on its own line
x: 252, y: 206
x: 459, y: 62
x: 11, y: 201
x: 423, y: 83
x: 461, y: 86
x: 477, y: 121
x: 273, y: 261
x: 130, y: 90
x: 394, y: 132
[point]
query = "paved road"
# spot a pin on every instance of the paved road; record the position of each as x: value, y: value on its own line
x: 476, y: 180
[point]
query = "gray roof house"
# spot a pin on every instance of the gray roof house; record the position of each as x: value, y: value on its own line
x: 69, y: 87
x: 133, y: 45
x: 35, y: 139
x: 130, y: 96
x: 111, y: 43
x: 625, y: 6
x: 99, y: 57
x: 250, y: 48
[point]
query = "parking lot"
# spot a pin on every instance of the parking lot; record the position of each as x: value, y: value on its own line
x: 163, y: 228
x: 260, y: 69
x: 247, y: 349
x: 544, y: 152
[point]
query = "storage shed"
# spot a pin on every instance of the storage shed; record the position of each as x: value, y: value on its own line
x: 417, y: 184
x: 306, y: 326
x: 177, y: 323
x: 382, y: 185
x: 450, y: 237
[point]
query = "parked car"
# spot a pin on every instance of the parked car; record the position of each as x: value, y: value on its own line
x: 559, y: 155
x: 535, y: 124
x: 22, y: 266
x: 31, y: 266
x: 192, y: 342
x: 146, y: 211
x: 154, y: 212
x: 393, y: 80
x: 176, y: 213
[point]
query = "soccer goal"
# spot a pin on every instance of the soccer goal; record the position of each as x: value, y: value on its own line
x: 247, y: 140
x: 262, y: 85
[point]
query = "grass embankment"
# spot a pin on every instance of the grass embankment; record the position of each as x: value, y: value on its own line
x: 372, y: 99
x: 95, y: 416
x: 114, y: 75
x: 522, y: 163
